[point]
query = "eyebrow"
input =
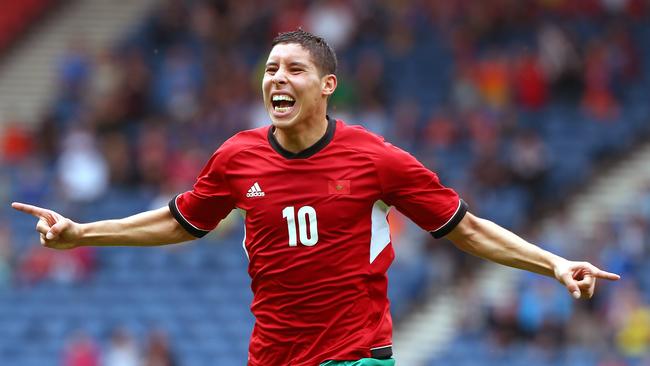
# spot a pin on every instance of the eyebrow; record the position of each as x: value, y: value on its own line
x: 294, y: 63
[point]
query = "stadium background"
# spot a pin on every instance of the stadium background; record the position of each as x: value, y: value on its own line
x: 522, y: 106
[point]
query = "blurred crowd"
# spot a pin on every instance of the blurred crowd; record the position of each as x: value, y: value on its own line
x: 541, y: 324
x: 122, y: 350
x: 460, y: 83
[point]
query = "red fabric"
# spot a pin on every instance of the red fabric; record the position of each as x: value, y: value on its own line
x: 17, y: 15
x: 322, y: 297
x: 338, y: 187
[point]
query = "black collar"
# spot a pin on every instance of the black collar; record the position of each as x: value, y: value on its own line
x: 310, y: 151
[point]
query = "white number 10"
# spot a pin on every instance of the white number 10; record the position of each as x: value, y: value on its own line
x: 304, y: 213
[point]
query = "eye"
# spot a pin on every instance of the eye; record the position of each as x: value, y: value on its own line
x: 296, y: 70
x: 271, y: 70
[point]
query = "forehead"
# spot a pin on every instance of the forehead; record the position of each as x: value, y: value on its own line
x: 290, y: 52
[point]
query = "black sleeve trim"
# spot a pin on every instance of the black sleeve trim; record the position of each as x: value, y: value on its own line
x: 184, y: 223
x: 451, y: 224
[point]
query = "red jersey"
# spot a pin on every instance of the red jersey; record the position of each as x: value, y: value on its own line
x: 317, y: 236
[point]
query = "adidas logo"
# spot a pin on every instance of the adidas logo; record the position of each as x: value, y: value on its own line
x: 255, y: 191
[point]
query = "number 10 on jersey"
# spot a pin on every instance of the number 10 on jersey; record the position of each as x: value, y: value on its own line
x: 308, y: 237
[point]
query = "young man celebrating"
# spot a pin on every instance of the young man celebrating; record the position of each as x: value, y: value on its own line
x: 315, y: 193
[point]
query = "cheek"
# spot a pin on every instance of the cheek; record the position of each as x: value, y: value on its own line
x: 266, y: 83
x: 312, y: 90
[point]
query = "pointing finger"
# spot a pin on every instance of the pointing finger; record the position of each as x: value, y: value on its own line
x: 606, y: 275
x: 32, y: 210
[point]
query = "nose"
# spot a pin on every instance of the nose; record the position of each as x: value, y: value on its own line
x: 279, y: 77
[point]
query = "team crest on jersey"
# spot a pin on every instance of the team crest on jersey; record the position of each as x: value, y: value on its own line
x: 255, y: 191
x: 338, y: 187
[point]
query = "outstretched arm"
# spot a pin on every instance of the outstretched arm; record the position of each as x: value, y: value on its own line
x: 156, y: 227
x: 488, y: 240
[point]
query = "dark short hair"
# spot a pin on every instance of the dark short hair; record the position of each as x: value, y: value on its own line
x: 321, y: 52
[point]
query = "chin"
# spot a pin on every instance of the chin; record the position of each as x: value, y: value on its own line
x: 280, y: 123
x: 284, y: 122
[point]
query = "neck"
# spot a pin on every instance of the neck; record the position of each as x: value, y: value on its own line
x: 301, y: 136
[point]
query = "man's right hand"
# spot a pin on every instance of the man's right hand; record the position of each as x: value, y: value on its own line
x: 56, y: 231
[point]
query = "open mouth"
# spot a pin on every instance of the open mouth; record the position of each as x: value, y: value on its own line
x: 282, y: 103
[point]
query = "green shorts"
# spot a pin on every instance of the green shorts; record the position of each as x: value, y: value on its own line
x: 361, y: 362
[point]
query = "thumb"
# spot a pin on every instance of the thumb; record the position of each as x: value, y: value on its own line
x: 571, y: 285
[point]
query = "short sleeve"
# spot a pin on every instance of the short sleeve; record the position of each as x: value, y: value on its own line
x: 417, y: 192
x: 200, y: 210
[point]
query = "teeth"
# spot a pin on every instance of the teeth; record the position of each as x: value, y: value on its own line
x: 282, y: 109
x: 279, y: 97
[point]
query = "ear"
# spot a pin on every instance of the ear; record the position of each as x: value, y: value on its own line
x: 328, y: 84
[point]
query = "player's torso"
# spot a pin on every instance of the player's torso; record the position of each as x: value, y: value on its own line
x: 318, y: 243
x: 307, y: 215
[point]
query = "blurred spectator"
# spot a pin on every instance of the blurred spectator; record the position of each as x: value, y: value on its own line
x: 64, y: 267
x: 441, y: 131
x: 584, y: 332
x: 117, y: 153
x: 374, y: 118
x: 74, y: 69
x: 633, y: 339
x: 644, y: 200
x: 293, y: 16
x: 158, y: 351
x: 179, y: 83
x: 135, y: 91
x: 406, y: 120
x: 633, y: 234
x: 543, y: 308
x: 152, y: 153
x: 16, y: 143
x: 529, y: 162
x: 122, y: 350
x: 35, y: 265
x: 530, y: 82
x: 333, y: 20
x: 204, y: 22
x: 484, y: 133
x: 72, y: 266
x: 493, y: 80
x: 168, y: 25
x: 32, y: 182
x: 622, y: 53
x: 369, y: 80
x: 182, y: 171
x: 6, y: 256
x: 560, y: 61
x: 465, y: 96
x: 81, y: 350
x: 48, y: 136
x: 106, y: 78
x: 598, y: 100
x: 82, y: 169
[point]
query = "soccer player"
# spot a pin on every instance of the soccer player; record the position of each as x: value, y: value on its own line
x: 315, y: 193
